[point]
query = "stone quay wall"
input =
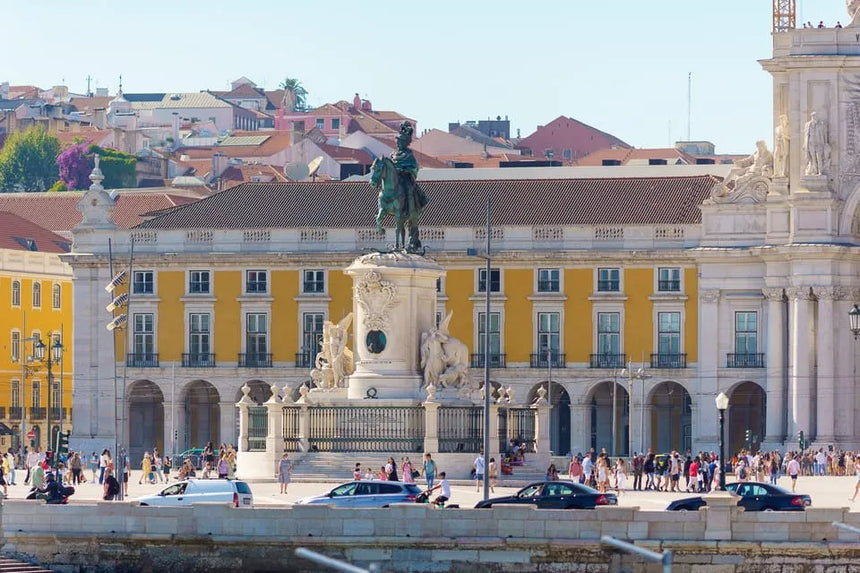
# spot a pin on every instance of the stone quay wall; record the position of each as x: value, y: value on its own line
x: 108, y: 536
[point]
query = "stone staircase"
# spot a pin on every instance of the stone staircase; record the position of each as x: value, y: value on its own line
x: 8, y: 565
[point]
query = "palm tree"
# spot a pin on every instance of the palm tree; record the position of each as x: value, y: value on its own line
x: 295, y: 95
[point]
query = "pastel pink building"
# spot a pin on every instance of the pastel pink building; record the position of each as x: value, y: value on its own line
x: 566, y: 139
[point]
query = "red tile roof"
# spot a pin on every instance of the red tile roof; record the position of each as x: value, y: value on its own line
x: 277, y: 141
x: 17, y: 233
x: 625, y: 156
x: 621, y: 201
x: 58, y: 212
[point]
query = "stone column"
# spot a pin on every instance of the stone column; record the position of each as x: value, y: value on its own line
x: 579, y: 433
x: 775, y: 429
x: 227, y: 421
x: 431, y: 427
x: 709, y: 363
x: 304, y: 428
x: 801, y: 403
x: 494, y: 429
x: 825, y: 345
x: 243, y: 405
x: 275, y: 428
x: 542, y: 429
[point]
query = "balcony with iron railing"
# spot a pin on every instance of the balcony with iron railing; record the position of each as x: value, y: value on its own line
x: 56, y: 413
x: 669, y: 360
x: 15, y: 412
x: 198, y: 360
x: 669, y: 286
x: 142, y: 360
x: 609, y: 286
x: 255, y: 360
x: 496, y: 361
x: 37, y: 413
x: 607, y: 360
x: 745, y: 360
x: 539, y: 360
x: 305, y: 359
x: 548, y: 286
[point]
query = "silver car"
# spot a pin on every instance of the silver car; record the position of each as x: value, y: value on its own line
x: 366, y: 493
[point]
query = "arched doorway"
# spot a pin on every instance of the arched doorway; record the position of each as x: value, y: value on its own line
x: 260, y: 393
x: 559, y: 416
x: 671, y: 418
x: 145, y: 420
x: 202, y: 414
x: 600, y: 418
x: 37, y: 439
x: 745, y: 417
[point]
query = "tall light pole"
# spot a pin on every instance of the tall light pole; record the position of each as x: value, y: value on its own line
x: 631, y: 376
x: 549, y: 389
x: 722, y: 403
x: 52, y: 354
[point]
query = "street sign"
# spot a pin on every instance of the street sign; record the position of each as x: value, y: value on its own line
x: 31, y: 435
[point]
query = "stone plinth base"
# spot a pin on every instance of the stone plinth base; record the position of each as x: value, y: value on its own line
x: 815, y: 183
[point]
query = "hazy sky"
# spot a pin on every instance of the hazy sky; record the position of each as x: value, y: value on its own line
x: 618, y: 65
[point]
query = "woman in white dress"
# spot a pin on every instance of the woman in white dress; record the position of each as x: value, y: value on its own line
x: 620, y: 476
x: 602, y: 474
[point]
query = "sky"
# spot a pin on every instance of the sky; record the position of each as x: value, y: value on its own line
x: 621, y: 66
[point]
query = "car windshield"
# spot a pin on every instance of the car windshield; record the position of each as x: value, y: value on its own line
x: 175, y: 489
x: 558, y: 489
x: 345, y: 489
x: 530, y: 491
x: 242, y: 487
x: 410, y: 488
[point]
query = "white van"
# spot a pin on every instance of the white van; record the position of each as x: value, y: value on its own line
x: 186, y: 492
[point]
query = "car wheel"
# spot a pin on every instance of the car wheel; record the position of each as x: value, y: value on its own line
x: 684, y: 508
x: 768, y: 509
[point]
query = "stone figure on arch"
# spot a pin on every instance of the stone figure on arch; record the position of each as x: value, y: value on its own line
x: 445, y: 359
x: 335, y: 360
x: 816, y: 145
x: 781, y: 147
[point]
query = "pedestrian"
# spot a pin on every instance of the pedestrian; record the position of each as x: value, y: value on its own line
x: 11, y: 457
x: 111, y: 486
x: 406, y: 469
x: 166, y: 465
x: 94, y: 465
x: 126, y: 471
x: 158, y: 465
x: 620, y: 476
x: 648, y: 468
x: 146, y: 469
x: 444, y: 490
x: 285, y: 469
x: 428, y: 470
x: 356, y: 473
x: 857, y: 475
x: 574, y: 470
x: 391, y: 470
x: 209, y: 454
x: 551, y: 473
x: 383, y: 474
x: 493, y: 473
x: 793, y: 468
x: 223, y: 466
x: 588, y: 471
x: 103, y: 463
x: 77, y: 467
x: 637, y: 471
x: 478, y: 469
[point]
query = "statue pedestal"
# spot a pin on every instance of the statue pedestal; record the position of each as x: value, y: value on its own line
x: 394, y: 301
x: 815, y: 183
x: 779, y: 186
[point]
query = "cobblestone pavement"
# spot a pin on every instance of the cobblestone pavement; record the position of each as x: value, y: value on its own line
x: 825, y: 492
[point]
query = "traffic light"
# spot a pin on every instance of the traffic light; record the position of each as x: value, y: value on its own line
x: 175, y: 434
x: 747, y: 437
x: 800, y: 442
x: 63, y: 443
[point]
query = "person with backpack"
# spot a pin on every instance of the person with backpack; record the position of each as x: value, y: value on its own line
x: 111, y: 486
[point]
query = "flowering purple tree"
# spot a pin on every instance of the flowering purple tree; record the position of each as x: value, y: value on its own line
x: 75, y: 166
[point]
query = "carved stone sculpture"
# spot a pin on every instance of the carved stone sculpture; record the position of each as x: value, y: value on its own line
x: 853, y: 11
x: 376, y: 297
x: 96, y: 204
x: 816, y: 144
x: 781, y: 143
x: 445, y: 359
x: 335, y: 361
x: 749, y: 181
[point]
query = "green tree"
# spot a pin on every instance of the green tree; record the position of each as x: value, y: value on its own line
x: 28, y: 161
x: 295, y: 95
x: 119, y: 169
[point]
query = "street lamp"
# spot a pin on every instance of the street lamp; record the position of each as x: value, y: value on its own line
x: 631, y: 376
x: 549, y: 391
x: 854, y: 320
x: 722, y: 403
x: 41, y: 352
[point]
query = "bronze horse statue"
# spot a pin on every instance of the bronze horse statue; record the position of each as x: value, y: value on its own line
x: 398, y: 198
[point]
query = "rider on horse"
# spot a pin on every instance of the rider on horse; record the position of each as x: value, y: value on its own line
x: 407, y: 171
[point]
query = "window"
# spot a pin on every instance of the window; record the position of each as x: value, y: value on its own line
x: 608, y: 333
x: 37, y: 294
x: 198, y: 282
x: 608, y: 280
x: 335, y: 123
x: 494, y: 332
x: 16, y: 393
x: 495, y: 280
x: 439, y: 285
x: 668, y: 333
x: 144, y: 282
x: 16, y: 293
x: 669, y: 280
x: 55, y: 395
x: 36, y: 394
x: 548, y: 280
x: 746, y: 332
x: 314, y: 282
x: 16, y: 346
x: 255, y: 282
x: 320, y: 123
x: 312, y: 331
x: 56, y: 297
x: 438, y: 319
x: 198, y: 336
x: 548, y: 332
x: 144, y: 336
x: 256, y: 334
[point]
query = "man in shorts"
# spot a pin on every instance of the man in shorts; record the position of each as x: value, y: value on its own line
x: 793, y: 468
x: 478, y: 466
x: 444, y: 490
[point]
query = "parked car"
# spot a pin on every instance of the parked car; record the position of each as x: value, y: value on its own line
x: 366, y: 493
x: 186, y: 492
x: 754, y: 496
x: 195, y: 455
x: 555, y: 495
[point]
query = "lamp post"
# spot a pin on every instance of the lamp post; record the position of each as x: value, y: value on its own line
x: 854, y: 321
x: 53, y: 354
x: 631, y: 376
x: 722, y: 403
x: 26, y: 368
x: 549, y: 391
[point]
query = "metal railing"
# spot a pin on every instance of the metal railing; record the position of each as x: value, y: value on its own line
x: 198, y: 360
x: 664, y: 558
x: 521, y: 428
x: 669, y: 286
x: 608, y: 286
x: 539, y: 360
x: 255, y: 360
x: 305, y: 359
x: 15, y: 412
x: 607, y: 361
x: 745, y: 360
x: 496, y: 361
x: 142, y: 360
x: 292, y: 415
x: 258, y: 428
x: 548, y: 286
x: 38, y: 413
x: 669, y: 360
x: 55, y: 413
x: 461, y: 429
x: 366, y: 429
x: 3, y: 412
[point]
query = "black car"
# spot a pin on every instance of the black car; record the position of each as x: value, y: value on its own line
x: 555, y: 495
x: 754, y: 496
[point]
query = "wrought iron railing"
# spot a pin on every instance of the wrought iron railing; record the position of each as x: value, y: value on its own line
x: 607, y: 360
x: 38, y: 413
x: 366, y: 429
x: 548, y: 286
x: 745, y: 360
x: 255, y: 360
x: 198, y: 360
x: 503, y: 430
x: 669, y: 360
x: 540, y: 360
x: 15, y: 412
x: 496, y: 361
x: 142, y: 360
x: 305, y: 359
x: 608, y: 286
x: 3, y: 412
x: 461, y: 429
x: 521, y: 428
x: 258, y: 428
x: 292, y: 415
x: 669, y: 286
x: 55, y: 413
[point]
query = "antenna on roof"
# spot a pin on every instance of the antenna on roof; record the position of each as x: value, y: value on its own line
x: 689, y: 103
x: 296, y: 171
x: 314, y: 166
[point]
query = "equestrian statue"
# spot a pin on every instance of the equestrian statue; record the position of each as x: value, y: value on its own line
x: 399, y: 193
